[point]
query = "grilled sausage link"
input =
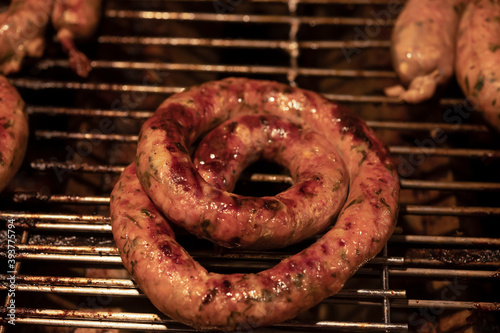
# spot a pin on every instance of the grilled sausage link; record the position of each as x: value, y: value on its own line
x: 21, y: 33
x: 423, y: 47
x: 13, y: 131
x: 478, y: 58
x: 303, y: 210
x: 76, y: 20
x: 170, y: 179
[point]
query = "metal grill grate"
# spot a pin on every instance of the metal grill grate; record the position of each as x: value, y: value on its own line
x: 146, y: 51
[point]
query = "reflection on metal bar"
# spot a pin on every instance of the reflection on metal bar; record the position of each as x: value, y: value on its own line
x: 88, y: 314
x: 39, y: 84
x: 93, y: 324
x: 161, y: 327
x: 115, y: 259
x: 85, y: 136
x: 26, y: 197
x: 446, y: 240
x: 448, y: 211
x: 404, y: 209
x: 442, y: 304
x: 403, y: 271
x: 238, y: 18
x: 229, y: 255
x: 101, y: 250
x: 273, y: 256
x: 242, y: 43
x: 49, y: 110
x: 424, y: 126
x: 445, y: 152
x: 448, y: 185
x: 444, y: 273
x: 45, y: 64
x: 495, y: 263
x: 54, y: 217
x: 257, y: 177
x: 75, y: 288
x: 43, y: 165
x: 144, y: 114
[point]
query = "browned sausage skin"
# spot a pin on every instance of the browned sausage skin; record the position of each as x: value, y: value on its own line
x: 184, y: 290
x: 76, y: 20
x: 173, y: 184
x: 13, y: 131
x: 21, y: 32
x: 478, y: 58
x: 423, y: 47
x: 179, y: 287
x: 303, y: 210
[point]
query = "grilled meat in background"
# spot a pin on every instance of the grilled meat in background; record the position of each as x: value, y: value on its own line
x: 59, y: 113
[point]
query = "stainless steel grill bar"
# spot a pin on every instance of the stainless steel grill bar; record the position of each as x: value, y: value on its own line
x: 444, y: 273
x: 238, y: 18
x: 131, y: 325
x: 241, y: 43
x: 54, y: 217
x: 85, y: 136
x: 109, y: 289
x: 114, y: 258
x: 409, y: 272
x: 15, y: 272
x: 45, y: 64
x: 69, y: 166
x: 38, y: 84
x: 446, y: 240
x: 404, y: 150
x: 272, y: 256
x: 448, y: 211
x: 392, y: 125
x: 404, y: 209
x: 441, y: 304
x: 53, y: 111
x: 405, y: 183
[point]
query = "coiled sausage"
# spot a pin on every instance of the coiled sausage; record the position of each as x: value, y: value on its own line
x: 178, y: 285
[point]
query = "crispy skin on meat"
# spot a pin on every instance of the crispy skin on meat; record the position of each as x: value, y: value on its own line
x: 423, y: 47
x: 178, y: 285
x: 13, y: 131
x: 181, y: 288
x: 478, y: 58
x: 170, y: 180
x: 21, y: 32
x: 303, y: 210
x: 76, y: 20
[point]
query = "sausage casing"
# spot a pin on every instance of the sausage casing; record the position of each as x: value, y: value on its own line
x: 478, y: 58
x: 13, y: 131
x: 423, y: 47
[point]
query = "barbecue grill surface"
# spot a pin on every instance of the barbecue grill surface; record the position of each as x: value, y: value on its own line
x: 438, y: 273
